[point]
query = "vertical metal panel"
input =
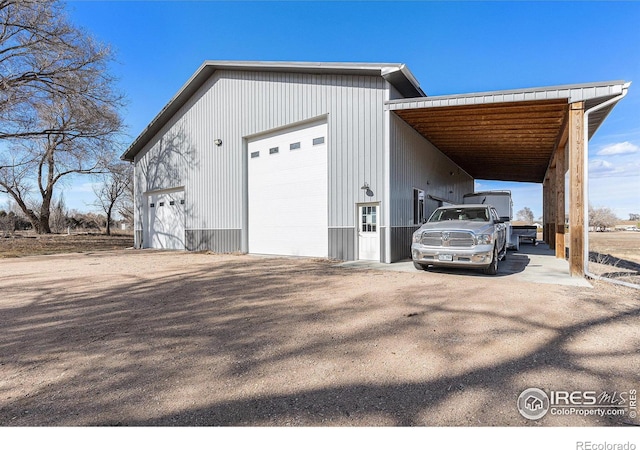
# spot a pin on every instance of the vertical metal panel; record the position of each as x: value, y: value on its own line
x: 137, y: 239
x: 385, y: 213
x: 342, y: 243
x: 401, y: 242
x: 416, y: 163
x: 223, y: 241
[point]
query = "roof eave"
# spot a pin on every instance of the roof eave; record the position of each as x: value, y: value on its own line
x: 572, y: 92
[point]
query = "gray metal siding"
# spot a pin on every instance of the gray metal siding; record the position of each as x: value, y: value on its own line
x: 342, y: 244
x: 416, y: 163
x: 394, y: 94
x: 223, y: 241
x: 401, y: 242
x: 232, y: 105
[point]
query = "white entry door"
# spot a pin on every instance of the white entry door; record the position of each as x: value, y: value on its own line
x: 368, y: 232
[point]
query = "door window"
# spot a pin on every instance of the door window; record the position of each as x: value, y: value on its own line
x: 369, y: 219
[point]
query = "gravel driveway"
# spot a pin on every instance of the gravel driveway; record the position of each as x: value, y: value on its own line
x: 173, y: 338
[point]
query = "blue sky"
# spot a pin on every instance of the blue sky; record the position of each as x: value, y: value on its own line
x: 451, y: 47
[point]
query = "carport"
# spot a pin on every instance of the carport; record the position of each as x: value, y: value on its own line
x: 529, y: 135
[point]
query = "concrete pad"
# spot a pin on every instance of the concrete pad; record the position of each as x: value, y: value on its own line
x: 532, y: 263
x: 538, y: 264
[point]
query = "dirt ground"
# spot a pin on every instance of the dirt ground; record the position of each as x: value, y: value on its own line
x: 146, y: 338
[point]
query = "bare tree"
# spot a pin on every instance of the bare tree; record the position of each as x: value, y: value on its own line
x: 525, y: 215
x: 59, y: 114
x: 59, y: 216
x: 112, y: 191
x: 126, y: 205
x: 601, y: 218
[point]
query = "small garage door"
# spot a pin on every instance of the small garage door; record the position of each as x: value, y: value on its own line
x: 165, y: 224
x: 288, y: 206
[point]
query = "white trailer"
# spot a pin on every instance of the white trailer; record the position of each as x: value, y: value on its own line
x: 501, y: 201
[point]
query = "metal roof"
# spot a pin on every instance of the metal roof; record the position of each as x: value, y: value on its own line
x: 504, y: 135
x: 396, y: 73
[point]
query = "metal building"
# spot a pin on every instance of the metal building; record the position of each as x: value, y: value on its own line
x: 338, y: 160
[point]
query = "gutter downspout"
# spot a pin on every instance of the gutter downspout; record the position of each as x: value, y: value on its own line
x: 585, y: 242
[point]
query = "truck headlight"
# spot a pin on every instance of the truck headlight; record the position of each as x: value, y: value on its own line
x: 484, y: 239
x: 417, y: 237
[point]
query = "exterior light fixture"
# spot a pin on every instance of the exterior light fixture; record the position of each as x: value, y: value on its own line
x: 365, y: 186
x: 218, y: 142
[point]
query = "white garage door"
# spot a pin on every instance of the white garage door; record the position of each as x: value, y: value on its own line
x: 165, y: 224
x: 288, y: 193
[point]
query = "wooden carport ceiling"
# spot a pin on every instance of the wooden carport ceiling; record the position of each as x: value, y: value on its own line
x: 500, y: 141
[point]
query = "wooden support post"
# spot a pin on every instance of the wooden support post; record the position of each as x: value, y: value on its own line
x: 576, y: 193
x: 560, y: 204
x: 545, y: 210
x: 552, y: 207
x: 552, y: 198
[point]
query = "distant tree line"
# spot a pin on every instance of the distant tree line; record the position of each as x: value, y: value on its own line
x: 600, y: 219
x: 10, y: 222
x: 63, y: 219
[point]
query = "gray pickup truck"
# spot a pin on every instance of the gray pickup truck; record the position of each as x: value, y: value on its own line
x: 471, y: 236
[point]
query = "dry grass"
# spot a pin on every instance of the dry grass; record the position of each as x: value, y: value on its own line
x: 29, y: 244
x: 621, y: 244
x: 616, y: 255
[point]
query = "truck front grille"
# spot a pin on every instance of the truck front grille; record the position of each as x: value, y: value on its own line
x: 448, y: 239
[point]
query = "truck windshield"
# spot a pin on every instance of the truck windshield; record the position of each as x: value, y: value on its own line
x: 474, y: 214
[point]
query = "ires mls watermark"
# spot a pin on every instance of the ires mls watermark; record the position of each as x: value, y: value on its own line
x: 534, y: 403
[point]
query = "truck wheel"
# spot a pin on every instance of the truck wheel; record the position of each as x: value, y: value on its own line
x: 492, y: 268
x: 419, y: 266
